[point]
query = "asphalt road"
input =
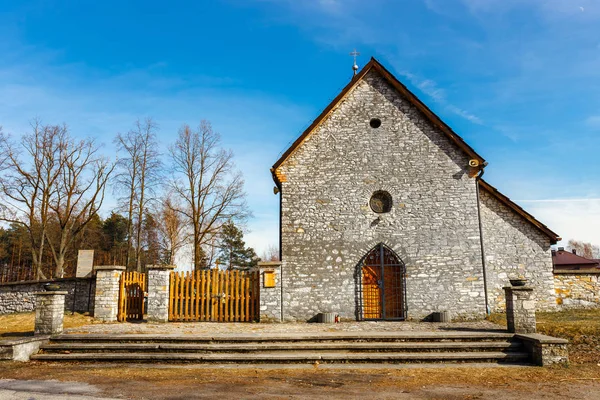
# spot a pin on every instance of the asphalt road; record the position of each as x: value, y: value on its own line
x: 14, y: 389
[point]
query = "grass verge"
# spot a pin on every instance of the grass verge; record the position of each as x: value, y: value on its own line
x: 580, y: 327
x: 22, y: 324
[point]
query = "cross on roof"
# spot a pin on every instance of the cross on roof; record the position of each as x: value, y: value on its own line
x: 355, y: 54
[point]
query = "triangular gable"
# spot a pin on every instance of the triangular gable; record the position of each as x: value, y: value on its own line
x: 403, y: 90
x: 554, y: 237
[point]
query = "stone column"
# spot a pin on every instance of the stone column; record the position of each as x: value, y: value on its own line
x: 49, y: 312
x: 520, y: 309
x: 158, y: 292
x: 106, y: 302
x: 270, y: 291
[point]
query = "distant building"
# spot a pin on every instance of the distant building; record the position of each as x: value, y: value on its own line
x: 565, y: 261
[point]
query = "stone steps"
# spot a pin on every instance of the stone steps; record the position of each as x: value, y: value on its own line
x: 293, y: 357
x: 261, y: 347
x: 380, y: 347
x: 330, y: 337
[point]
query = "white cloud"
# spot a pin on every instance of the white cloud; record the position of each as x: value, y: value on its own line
x: 570, y: 218
x: 593, y: 121
x: 437, y: 94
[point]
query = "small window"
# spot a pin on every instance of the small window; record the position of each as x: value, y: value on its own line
x: 375, y: 123
x: 381, y: 202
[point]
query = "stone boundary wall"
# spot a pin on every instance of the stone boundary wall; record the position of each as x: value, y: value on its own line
x: 577, y: 290
x: 19, y: 297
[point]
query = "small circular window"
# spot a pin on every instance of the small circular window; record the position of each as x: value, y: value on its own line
x: 381, y: 202
x: 375, y: 123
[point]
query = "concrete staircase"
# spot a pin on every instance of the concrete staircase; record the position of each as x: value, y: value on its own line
x: 388, y: 347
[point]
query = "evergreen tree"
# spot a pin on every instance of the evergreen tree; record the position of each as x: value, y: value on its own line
x: 115, y: 233
x: 233, y: 252
x: 151, y: 240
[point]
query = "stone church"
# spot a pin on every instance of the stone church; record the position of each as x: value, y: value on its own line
x: 384, y: 215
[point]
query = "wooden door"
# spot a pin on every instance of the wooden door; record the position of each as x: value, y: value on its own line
x: 372, y: 294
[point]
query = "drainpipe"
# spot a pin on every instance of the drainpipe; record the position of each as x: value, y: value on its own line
x: 483, y: 264
x: 281, y: 252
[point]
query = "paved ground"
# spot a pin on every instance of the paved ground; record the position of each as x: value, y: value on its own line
x: 45, y: 381
x: 301, y: 327
x: 15, y: 389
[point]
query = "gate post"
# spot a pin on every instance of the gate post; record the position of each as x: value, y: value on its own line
x: 158, y: 292
x: 106, y: 302
x: 270, y: 291
x: 49, y: 312
x: 520, y: 309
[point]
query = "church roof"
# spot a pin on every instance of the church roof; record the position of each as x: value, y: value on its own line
x: 373, y: 64
x: 554, y: 237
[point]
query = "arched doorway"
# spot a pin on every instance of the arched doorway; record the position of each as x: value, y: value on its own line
x: 382, y: 285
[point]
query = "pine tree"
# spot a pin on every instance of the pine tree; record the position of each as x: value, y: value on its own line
x: 151, y: 240
x: 233, y: 252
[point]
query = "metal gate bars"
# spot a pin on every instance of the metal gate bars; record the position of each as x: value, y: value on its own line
x: 214, y: 295
x: 382, y: 288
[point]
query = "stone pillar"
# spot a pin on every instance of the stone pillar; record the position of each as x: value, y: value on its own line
x: 49, y: 312
x: 520, y: 309
x: 158, y: 292
x: 106, y: 302
x: 270, y: 291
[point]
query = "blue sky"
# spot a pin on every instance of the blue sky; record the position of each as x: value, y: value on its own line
x: 519, y: 80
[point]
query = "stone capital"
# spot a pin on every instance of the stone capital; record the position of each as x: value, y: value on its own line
x: 269, y: 265
x: 161, y: 267
x: 52, y: 293
x: 518, y: 288
x: 109, y: 268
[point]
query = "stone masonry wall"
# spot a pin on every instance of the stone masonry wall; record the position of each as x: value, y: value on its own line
x: 577, y: 290
x: 107, y: 292
x: 158, y: 293
x: 19, y: 297
x: 328, y: 226
x: 270, y: 297
x: 49, y: 312
x: 514, y: 247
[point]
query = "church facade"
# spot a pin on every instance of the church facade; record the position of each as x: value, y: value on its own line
x: 384, y: 215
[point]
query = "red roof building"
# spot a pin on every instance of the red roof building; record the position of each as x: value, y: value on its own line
x: 566, y: 262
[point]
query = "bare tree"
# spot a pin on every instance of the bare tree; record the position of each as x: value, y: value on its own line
x: 205, y: 180
x: 31, y: 173
x: 583, y: 249
x: 171, y: 230
x: 271, y: 253
x: 78, y: 195
x: 211, y: 250
x: 138, y: 176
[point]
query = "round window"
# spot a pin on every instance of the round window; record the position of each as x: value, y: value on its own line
x: 381, y: 202
x: 375, y: 123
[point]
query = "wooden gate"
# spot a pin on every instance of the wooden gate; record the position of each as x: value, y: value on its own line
x: 132, y: 288
x: 214, y: 295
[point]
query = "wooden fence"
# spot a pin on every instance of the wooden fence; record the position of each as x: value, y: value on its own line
x: 214, y: 295
x: 132, y: 288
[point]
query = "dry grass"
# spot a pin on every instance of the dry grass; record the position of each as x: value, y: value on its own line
x: 15, y: 325
x: 580, y: 327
